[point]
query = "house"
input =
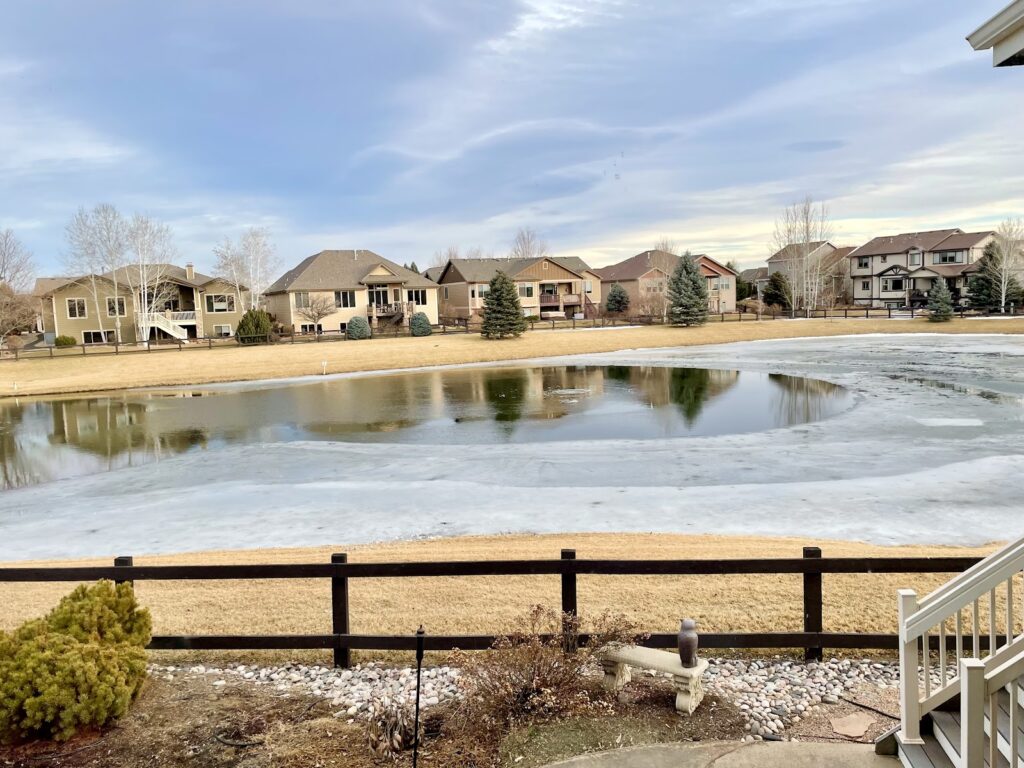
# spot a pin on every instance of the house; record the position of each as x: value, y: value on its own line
x: 548, y: 286
x: 183, y: 304
x: 433, y: 273
x: 829, y: 263
x: 756, y: 277
x: 1004, y: 34
x: 899, y: 270
x: 354, y: 283
x: 645, y: 280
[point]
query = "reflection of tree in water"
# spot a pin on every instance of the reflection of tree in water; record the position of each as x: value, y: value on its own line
x: 688, y: 388
x: 506, y: 392
x: 15, y: 467
x: 802, y: 400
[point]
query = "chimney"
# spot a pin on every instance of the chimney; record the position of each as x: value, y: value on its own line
x: 190, y: 271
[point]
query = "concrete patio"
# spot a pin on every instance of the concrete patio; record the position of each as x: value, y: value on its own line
x: 733, y: 755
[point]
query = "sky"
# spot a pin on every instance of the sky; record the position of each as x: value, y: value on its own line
x: 407, y: 126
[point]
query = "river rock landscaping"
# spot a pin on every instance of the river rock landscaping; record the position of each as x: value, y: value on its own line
x: 771, y: 694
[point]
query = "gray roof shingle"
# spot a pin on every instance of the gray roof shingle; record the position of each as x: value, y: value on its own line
x: 342, y: 270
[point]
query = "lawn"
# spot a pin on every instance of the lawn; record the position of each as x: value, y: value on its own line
x: 853, y: 603
x: 198, y: 365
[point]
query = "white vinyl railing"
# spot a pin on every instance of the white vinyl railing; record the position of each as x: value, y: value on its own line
x: 980, y: 602
x: 983, y: 682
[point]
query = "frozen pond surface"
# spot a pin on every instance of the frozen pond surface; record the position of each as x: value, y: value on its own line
x: 932, y: 451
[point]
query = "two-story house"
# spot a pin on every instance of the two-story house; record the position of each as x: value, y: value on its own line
x: 182, y: 304
x: 645, y: 279
x: 354, y: 283
x: 900, y: 270
x: 549, y: 286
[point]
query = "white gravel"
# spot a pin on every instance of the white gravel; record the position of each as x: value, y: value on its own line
x: 770, y: 693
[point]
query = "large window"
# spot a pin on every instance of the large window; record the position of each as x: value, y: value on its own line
x: 863, y: 262
x: 116, y: 307
x: 345, y: 299
x: 301, y: 299
x: 893, y: 284
x: 220, y: 302
x: 76, y: 309
x: 949, y: 257
x: 526, y: 291
x: 418, y: 296
x: 94, y: 337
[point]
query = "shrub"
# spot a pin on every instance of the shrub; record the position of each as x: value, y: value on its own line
x: 64, y: 341
x: 358, y: 328
x: 420, y: 325
x: 254, y: 327
x: 531, y: 676
x: 14, y: 342
x: 80, y: 666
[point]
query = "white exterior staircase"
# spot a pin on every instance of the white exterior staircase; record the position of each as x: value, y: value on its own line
x: 147, y: 320
x: 962, y: 707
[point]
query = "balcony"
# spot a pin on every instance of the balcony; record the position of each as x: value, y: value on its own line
x: 550, y: 300
x: 182, y: 318
x: 571, y: 299
x: 381, y: 310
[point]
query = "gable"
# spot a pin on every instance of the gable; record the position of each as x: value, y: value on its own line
x: 544, y: 269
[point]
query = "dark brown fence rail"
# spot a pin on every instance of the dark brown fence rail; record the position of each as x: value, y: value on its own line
x: 812, y: 566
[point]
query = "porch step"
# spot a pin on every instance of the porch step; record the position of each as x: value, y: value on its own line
x: 947, y: 733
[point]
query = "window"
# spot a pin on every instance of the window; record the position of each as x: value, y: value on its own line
x: 446, y: 293
x: 724, y: 284
x: 345, y: 299
x: 526, y: 291
x: 418, y: 296
x: 397, y: 293
x: 116, y: 307
x: 311, y: 328
x: 379, y: 297
x: 714, y: 283
x: 885, y: 259
x: 588, y: 286
x: 863, y: 262
x: 222, y: 331
x: 479, y: 291
x: 76, y: 308
x: 949, y: 257
x: 893, y: 284
x: 301, y: 299
x: 94, y: 337
x: 220, y: 302
x: 865, y: 285
x: 915, y: 258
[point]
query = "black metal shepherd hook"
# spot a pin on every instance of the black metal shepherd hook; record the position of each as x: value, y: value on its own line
x: 420, y: 637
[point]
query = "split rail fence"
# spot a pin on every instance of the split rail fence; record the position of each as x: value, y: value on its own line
x: 812, y: 566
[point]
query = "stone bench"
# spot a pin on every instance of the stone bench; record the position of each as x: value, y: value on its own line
x: 617, y: 660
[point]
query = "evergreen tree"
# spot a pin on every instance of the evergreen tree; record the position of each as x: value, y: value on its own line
x: 254, y: 327
x: 414, y: 268
x: 687, y: 293
x: 618, y: 299
x: 777, y: 293
x: 940, y: 302
x: 503, y: 314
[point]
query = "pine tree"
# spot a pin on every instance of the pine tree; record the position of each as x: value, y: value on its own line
x: 940, y: 302
x: 414, y: 268
x: 777, y: 293
x: 503, y: 314
x: 687, y: 293
x: 618, y: 299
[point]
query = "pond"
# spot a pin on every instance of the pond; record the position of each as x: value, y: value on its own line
x: 47, y: 440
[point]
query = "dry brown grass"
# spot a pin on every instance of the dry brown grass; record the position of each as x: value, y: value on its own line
x: 90, y: 373
x: 858, y: 603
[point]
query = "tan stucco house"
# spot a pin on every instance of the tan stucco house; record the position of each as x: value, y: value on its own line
x: 899, y: 270
x: 97, y: 309
x: 549, y: 286
x: 358, y: 283
x: 645, y: 279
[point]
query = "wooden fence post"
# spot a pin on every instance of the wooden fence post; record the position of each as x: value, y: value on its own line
x: 124, y: 561
x: 569, y: 606
x: 339, y: 611
x: 812, y: 603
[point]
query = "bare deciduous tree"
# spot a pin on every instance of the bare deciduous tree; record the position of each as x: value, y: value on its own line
x: 248, y: 264
x: 440, y: 258
x: 319, y: 307
x: 800, y: 228
x: 150, y: 249
x: 16, y: 267
x: 528, y: 245
x: 1009, y: 264
x: 97, y: 241
x: 666, y: 244
x: 17, y: 312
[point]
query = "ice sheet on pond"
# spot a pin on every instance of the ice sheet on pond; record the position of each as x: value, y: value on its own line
x: 931, y: 452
